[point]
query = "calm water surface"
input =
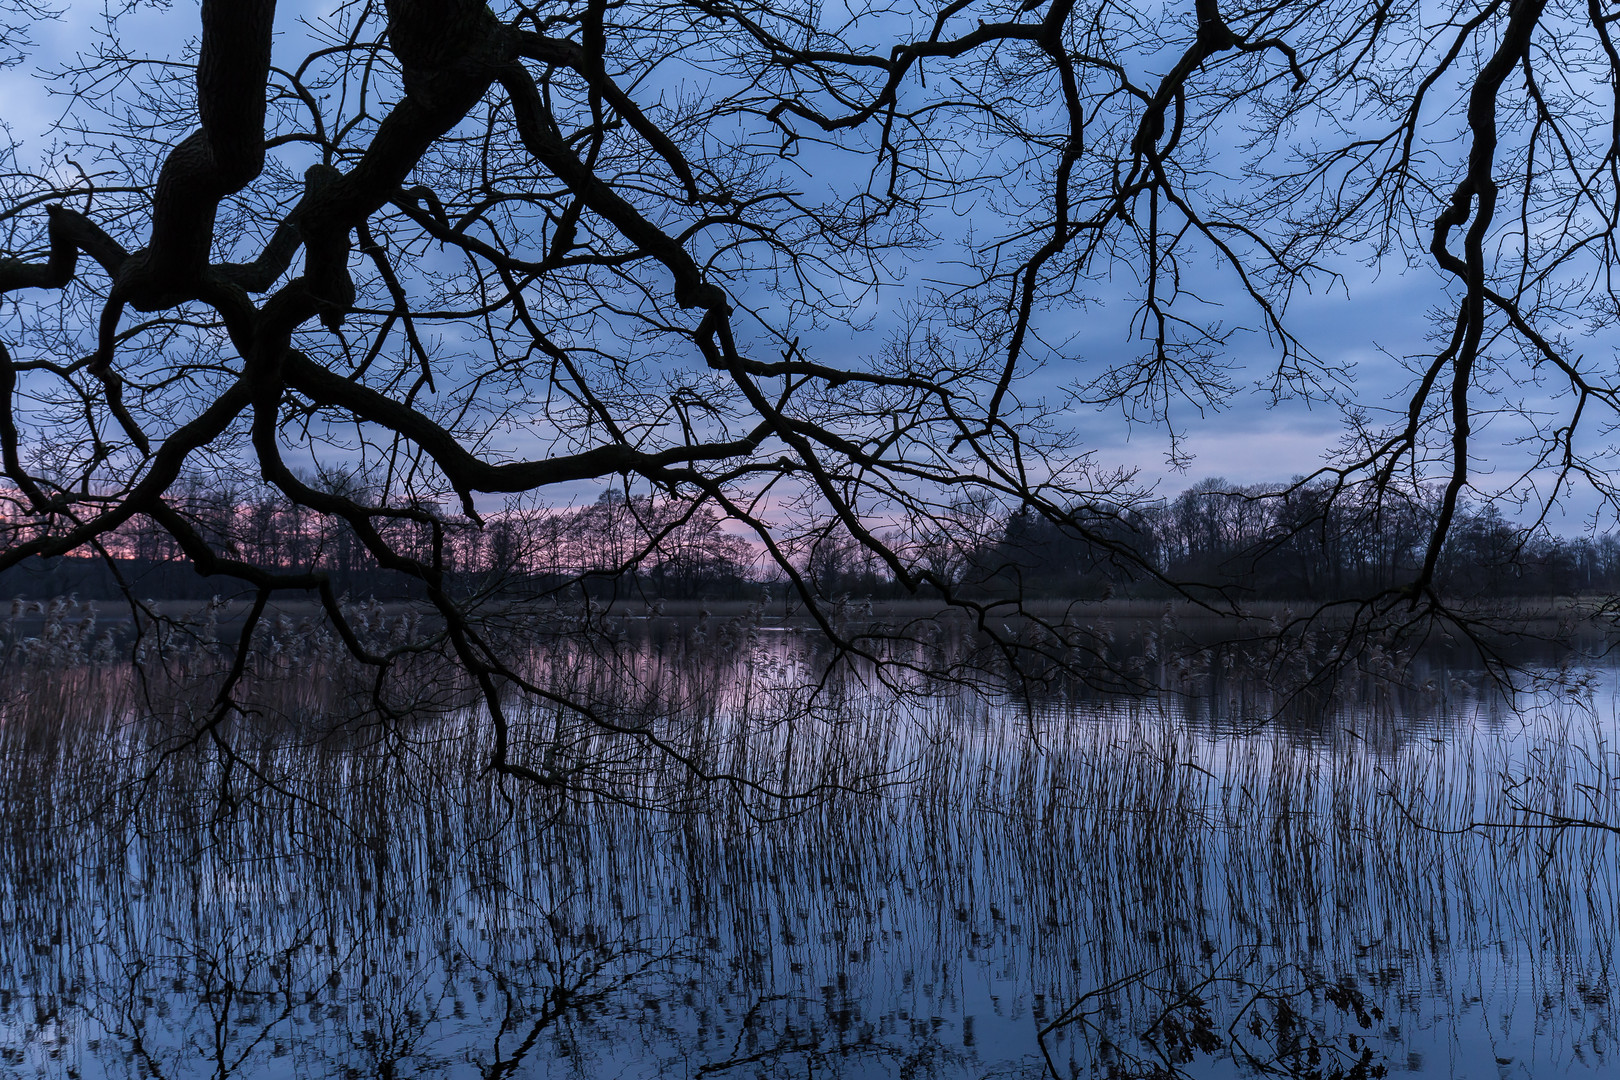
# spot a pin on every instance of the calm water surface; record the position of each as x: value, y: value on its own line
x: 1071, y: 888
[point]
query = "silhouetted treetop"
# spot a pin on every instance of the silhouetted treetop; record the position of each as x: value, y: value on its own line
x: 791, y: 265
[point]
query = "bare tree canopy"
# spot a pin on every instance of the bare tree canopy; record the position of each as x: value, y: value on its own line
x: 792, y: 263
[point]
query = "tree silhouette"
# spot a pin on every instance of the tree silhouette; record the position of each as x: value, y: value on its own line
x: 470, y: 253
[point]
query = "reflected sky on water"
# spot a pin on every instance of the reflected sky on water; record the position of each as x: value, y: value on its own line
x: 1070, y: 888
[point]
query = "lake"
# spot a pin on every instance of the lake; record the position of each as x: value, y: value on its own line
x: 870, y: 879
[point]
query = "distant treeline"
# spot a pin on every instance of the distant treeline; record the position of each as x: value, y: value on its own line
x: 1307, y: 542
x: 1301, y: 543
x: 660, y: 547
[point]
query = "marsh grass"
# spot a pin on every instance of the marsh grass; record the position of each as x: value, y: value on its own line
x: 937, y: 881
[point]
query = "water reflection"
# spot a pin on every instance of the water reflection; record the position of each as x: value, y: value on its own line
x: 1083, y: 888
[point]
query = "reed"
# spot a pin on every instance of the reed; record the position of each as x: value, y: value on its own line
x: 882, y: 878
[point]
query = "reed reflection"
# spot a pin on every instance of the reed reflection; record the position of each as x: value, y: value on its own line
x: 980, y: 885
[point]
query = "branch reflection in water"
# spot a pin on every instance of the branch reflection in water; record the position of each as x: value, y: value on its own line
x: 979, y: 886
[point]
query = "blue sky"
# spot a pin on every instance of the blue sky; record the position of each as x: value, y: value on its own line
x: 1361, y: 324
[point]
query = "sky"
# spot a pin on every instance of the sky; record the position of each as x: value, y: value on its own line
x: 1373, y: 316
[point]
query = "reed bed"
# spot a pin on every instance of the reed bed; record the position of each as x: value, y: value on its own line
x: 879, y: 882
